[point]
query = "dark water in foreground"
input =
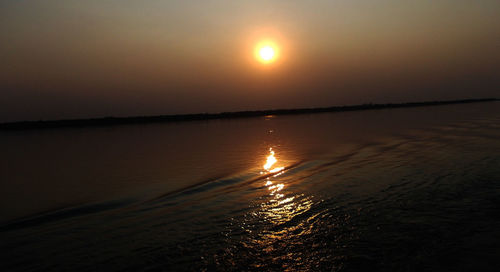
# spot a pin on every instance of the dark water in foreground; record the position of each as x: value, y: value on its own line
x: 388, y: 190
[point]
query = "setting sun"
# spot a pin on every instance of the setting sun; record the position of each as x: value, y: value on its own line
x: 266, y: 52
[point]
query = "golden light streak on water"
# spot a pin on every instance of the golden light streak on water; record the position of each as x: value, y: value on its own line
x: 270, y: 161
x: 282, y: 206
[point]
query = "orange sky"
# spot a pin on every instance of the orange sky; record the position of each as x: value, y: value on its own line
x: 74, y: 59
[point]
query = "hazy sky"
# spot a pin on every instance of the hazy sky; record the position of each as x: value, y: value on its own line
x: 74, y: 59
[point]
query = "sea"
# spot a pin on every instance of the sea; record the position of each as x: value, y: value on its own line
x: 409, y: 189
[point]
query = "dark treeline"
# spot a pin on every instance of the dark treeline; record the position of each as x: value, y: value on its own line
x: 106, y: 121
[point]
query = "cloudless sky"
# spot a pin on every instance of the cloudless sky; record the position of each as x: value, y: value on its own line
x: 75, y: 59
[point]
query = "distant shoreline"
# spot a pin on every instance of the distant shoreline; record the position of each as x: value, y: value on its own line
x: 109, y: 121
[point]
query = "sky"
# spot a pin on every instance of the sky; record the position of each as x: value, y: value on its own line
x: 64, y: 59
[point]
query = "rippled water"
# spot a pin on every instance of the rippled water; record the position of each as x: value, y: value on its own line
x: 387, y: 190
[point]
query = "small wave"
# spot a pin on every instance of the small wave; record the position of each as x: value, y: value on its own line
x: 65, y: 213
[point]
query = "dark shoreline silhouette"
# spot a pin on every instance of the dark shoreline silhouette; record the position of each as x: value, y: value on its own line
x: 107, y: 121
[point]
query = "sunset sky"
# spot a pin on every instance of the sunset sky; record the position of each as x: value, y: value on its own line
x: 75, y: 59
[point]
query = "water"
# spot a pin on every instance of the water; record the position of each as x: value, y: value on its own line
x: 413, y: 189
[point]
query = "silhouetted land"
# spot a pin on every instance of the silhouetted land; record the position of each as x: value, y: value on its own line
x: 107, y: 121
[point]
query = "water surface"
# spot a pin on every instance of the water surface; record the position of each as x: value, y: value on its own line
x: 413, y: 189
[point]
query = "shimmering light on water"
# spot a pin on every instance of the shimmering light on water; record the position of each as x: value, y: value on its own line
x: 270, y: 160
x: 281, y: 207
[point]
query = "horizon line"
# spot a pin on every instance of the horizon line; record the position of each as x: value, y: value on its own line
x: 127, y: 120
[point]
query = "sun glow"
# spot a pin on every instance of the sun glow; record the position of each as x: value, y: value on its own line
x: 266, y: 52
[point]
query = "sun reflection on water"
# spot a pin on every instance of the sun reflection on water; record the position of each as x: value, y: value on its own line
x: 282, y: 206
x: 279, y: 221
x: 270, y: 160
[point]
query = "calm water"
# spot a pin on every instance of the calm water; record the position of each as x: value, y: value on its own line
x: 414, y: 189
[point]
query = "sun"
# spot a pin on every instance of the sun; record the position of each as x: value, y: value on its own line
x: 266, y: 52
